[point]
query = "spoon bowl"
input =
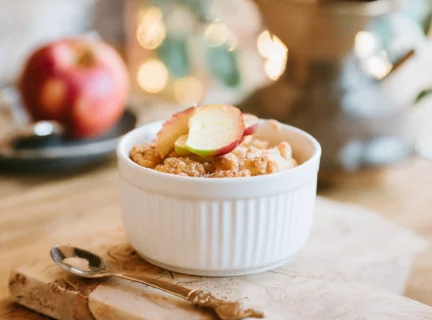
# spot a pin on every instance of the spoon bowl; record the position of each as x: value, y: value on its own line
x: 79, y: 262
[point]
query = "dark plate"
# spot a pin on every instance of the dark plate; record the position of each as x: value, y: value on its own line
x: 56, y: 155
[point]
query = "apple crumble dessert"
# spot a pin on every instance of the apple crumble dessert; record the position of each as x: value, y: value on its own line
x: 252, y: 157
x: 212, y: 141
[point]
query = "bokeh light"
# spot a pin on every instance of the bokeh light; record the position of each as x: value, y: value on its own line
x: 150, y: 15
x: 274, y: 52
x: 188, y: 90
x: 378, y: 67
x: 270, y: 46
x: 217, y: 34
x: 366, y: 44
x: 373, y: 58
x: 274, y: 68
x: 232, y: 43
x: 151, y: 31
x: 152, y: 76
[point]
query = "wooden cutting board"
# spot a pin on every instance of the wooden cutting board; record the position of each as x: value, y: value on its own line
x: 354, y: 266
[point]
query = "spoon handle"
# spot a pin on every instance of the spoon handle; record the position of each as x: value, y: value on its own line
x: 226, y: 310
x: 168, y: 287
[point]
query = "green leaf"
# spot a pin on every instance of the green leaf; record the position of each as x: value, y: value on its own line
x: 223, y: 65
x: 173, y: 52
x: 423, y: 94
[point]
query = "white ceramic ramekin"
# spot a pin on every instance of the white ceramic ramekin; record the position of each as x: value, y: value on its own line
x: 224, y: 226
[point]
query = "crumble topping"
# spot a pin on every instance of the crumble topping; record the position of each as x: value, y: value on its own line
x: 146, y: 155
x: 252, y: 157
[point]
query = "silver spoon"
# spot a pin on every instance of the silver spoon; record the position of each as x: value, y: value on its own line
x: 36, y: 130
x: 85, y: 264
x: 23, y: 128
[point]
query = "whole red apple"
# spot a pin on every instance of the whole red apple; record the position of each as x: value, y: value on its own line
x: 81, y: 83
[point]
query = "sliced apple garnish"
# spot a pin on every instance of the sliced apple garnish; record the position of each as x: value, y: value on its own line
x: 215, y: 130
x: 172, y: 129
x: 180, y: 146
x: 251, y: 124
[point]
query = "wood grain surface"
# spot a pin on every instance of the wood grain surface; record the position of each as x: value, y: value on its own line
x: 401, y: 193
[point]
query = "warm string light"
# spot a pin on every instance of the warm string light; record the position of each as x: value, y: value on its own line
x: 373, y: 59
x: 366, y: 44
x: 218, y: 34
x: 378, y: 66
x: 188, y: 90
x: 152, y: 76
x: 275, y: 53
x: 151, y: 30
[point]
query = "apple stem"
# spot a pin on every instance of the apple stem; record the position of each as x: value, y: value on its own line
x: 85, y: 59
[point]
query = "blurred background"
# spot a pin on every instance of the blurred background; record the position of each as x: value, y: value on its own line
x: 355, y: 74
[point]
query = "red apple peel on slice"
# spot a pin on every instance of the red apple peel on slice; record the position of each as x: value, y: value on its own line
x: 172, y: 129
x: 251, y: 124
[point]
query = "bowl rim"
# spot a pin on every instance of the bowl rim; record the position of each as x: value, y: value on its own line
x: 122, y: 158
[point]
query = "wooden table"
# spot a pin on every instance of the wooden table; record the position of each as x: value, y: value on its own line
x: 37, y: 212
x: 401, y: 194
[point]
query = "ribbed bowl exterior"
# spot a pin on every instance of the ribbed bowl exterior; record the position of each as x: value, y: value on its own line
x: 223, y: 233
